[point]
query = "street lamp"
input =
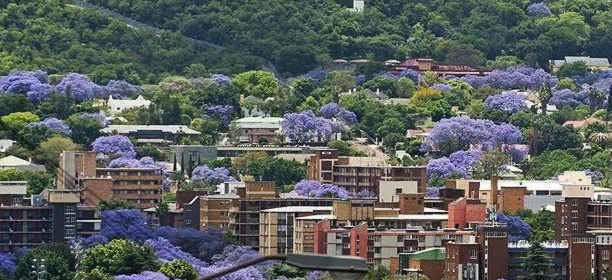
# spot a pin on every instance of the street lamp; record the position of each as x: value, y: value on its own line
x: 39, y: 269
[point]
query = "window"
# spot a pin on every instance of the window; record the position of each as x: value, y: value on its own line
x: 473, y: 254
x: 605, y: 255
x: 398, y: 191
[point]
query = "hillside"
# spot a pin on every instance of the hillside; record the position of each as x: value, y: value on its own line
x: 60, y: 37
x: 300, y: 35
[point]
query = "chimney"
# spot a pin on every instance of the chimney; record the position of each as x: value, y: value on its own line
x: 493, y: 197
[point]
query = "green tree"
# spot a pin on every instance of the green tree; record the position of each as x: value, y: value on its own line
x: 569, y: 70
x: 59, y: 263
x: 549, y: 164
x: 376, y: 273
x: 118, y: 257
x: 179, y: 269
x: 48, y: 152
x: 14, y: 122
x: 537, y: 263
x: 491, y: 164
x: 115, y: 204
x: 258, y: 83
x: 84, y: 130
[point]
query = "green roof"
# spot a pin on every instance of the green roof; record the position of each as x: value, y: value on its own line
x: 431, y: 254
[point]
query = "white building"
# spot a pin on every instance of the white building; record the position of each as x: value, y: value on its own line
x: 5, y: 144
x: 13, y: 162
x: 116, y: 106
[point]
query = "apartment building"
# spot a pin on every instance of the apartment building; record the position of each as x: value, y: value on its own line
x: 483, y: 257
x: 210, y: 211
x: 557, y: 253
x: 276, y: 228
x: 78, y: 170
x: 326, y: 166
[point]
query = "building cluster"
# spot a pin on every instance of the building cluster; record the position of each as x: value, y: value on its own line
x: 452, y: 235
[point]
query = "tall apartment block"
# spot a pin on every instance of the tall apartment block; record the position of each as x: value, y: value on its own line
x: 140, y: 186
x: 326, y: 166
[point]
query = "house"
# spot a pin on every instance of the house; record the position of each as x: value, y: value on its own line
x: 13, y: 162
x: 582, y: 123
x: 152, y: 134
x: 593, y: 63
x: 429, y: 65
x: 254, y: 129
x: 117, y: 106
x: 5, y: 144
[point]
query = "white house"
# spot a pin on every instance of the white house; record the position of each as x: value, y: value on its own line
x: 116, y: 106
x: 13, y: 162
x: 5, y: 144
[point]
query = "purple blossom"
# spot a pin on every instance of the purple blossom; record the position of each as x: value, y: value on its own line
x: 94, y: 240
x: 53, y: 124
x: 221, y: 79
x: 464, y: 160
x: 360, y: 79
x: 202, y: 244
x: 221, y: 113
x: 32, y: 84
x: 212, y: 176
x: 167, y: 252
x: 347, y: 116
x: 145, y: 275
x: 117, y: 89
x: 315, y: 275
x: 330, y: 110
x: 81, y: 87
x: 365, y: 193
x: 232, y: 255
x: 116, y: 144
x: 443, y: 168
x: 7, y: 263
x: 538, y: 9
x: 96, y: 116
x: 567, y: 97
x: 517, y: 228
x: 316, y: 189
x: 513, y: 77
x: 460, y: 133
x: 130, y: 224
x: 441, y: 87
x: 409, y: 73
x: 595, y: 175
x: 305, y: 127
x: 317, y: 75
x: 432, y: 192
x: 509, y: 102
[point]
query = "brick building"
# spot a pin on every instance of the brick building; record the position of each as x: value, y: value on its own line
x: 140, y: 186
x: 465, y: 213
x: 557, y: 253
x: 428, y: 262
x: 483, y: 257
x: 210, y: 211
x: 326, y: 166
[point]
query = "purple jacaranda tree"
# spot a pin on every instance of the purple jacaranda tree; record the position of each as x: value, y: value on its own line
x: 53, y: 124
x: 459, y: 163
x: 567, y: 97
x: 167, y: 252
x: 8, y: 264
x: 441, y: 87
x: 145, y: 275
x: 509, y: 102
x: 409, y: 73
x: 221, y: 79
x: 465, y: 160
x: 114, y: 145
x: 539, y: 10
x: 517, y: 228
x: 595, y: 175
x: 33, y: 84
x: 202, y: 244
x: 232, y: 255
x: 130, y: 224
x: 220, y: 113
x: 333, y: 110
x: 94, y: 240
x: 513, y: 78
x: 315, y: 275
x: 330, y: 110
x: 305, y: 127
x: 432, y: 192
x: 461, y: 133
x: 442, y: 168
x: 205, y: 174
x: 117, y: 89
x: 81, y: 87
x: 311, y: 188
x: 365, y: 193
